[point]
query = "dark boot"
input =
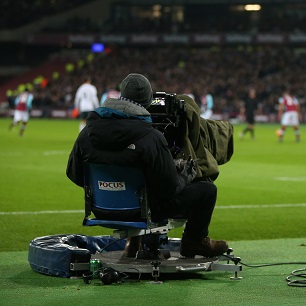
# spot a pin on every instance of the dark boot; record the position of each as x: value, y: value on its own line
x: 206, y: 247
x: 133, y: 244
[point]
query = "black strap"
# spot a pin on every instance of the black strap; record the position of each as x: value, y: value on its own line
x: 88, y: 203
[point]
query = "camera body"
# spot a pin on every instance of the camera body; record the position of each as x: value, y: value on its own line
x: 167, y: 108
x: 168, y: 113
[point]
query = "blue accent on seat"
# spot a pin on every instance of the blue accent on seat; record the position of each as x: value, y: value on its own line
x: 114, y: 187
x: 121, y: 225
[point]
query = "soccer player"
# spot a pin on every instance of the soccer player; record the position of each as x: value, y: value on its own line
x: 86, y: 100
x: 207, y: 103
x: 23, y: 105
x: 288, y: 114
x: 110, y: 93
x: 248, y: 111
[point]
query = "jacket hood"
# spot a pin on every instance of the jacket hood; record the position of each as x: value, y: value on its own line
x: 111, y: 129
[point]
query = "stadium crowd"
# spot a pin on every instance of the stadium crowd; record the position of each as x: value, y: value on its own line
x: 225, y: 72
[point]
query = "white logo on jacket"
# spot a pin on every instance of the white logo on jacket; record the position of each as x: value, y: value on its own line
x: 131, y: 146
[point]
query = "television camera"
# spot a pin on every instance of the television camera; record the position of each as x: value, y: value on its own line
x: 168, y: 113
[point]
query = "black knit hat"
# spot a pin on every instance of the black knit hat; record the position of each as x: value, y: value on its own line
x: 137, y: 88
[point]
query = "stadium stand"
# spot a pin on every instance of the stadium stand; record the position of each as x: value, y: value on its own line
x: 227, y: 49
x: 29, y: 10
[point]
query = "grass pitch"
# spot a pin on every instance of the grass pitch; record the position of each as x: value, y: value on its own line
x: 261, y: 191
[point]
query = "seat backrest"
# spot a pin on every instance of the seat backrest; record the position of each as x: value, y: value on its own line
x: 117, y: 196
x: 115, y: 190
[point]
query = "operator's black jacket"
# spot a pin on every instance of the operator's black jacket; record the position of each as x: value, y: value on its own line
x: 114, y: 136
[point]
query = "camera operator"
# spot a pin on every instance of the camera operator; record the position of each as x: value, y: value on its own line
x: 121, y: 132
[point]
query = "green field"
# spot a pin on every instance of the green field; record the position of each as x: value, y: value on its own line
x: 262, y: 192
x: 261, y: 211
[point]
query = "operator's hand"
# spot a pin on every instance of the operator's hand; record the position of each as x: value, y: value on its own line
x: 179, y: 164
x: 189, y: 170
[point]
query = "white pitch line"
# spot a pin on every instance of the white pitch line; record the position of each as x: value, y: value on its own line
x: 76, y: 211
x: 42, y: 212
x: 44, y: 153
x: 55, y: 152
x: 291, y: 179
x: 262, y: 206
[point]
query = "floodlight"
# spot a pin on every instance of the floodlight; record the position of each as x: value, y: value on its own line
x: 252, y: 7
